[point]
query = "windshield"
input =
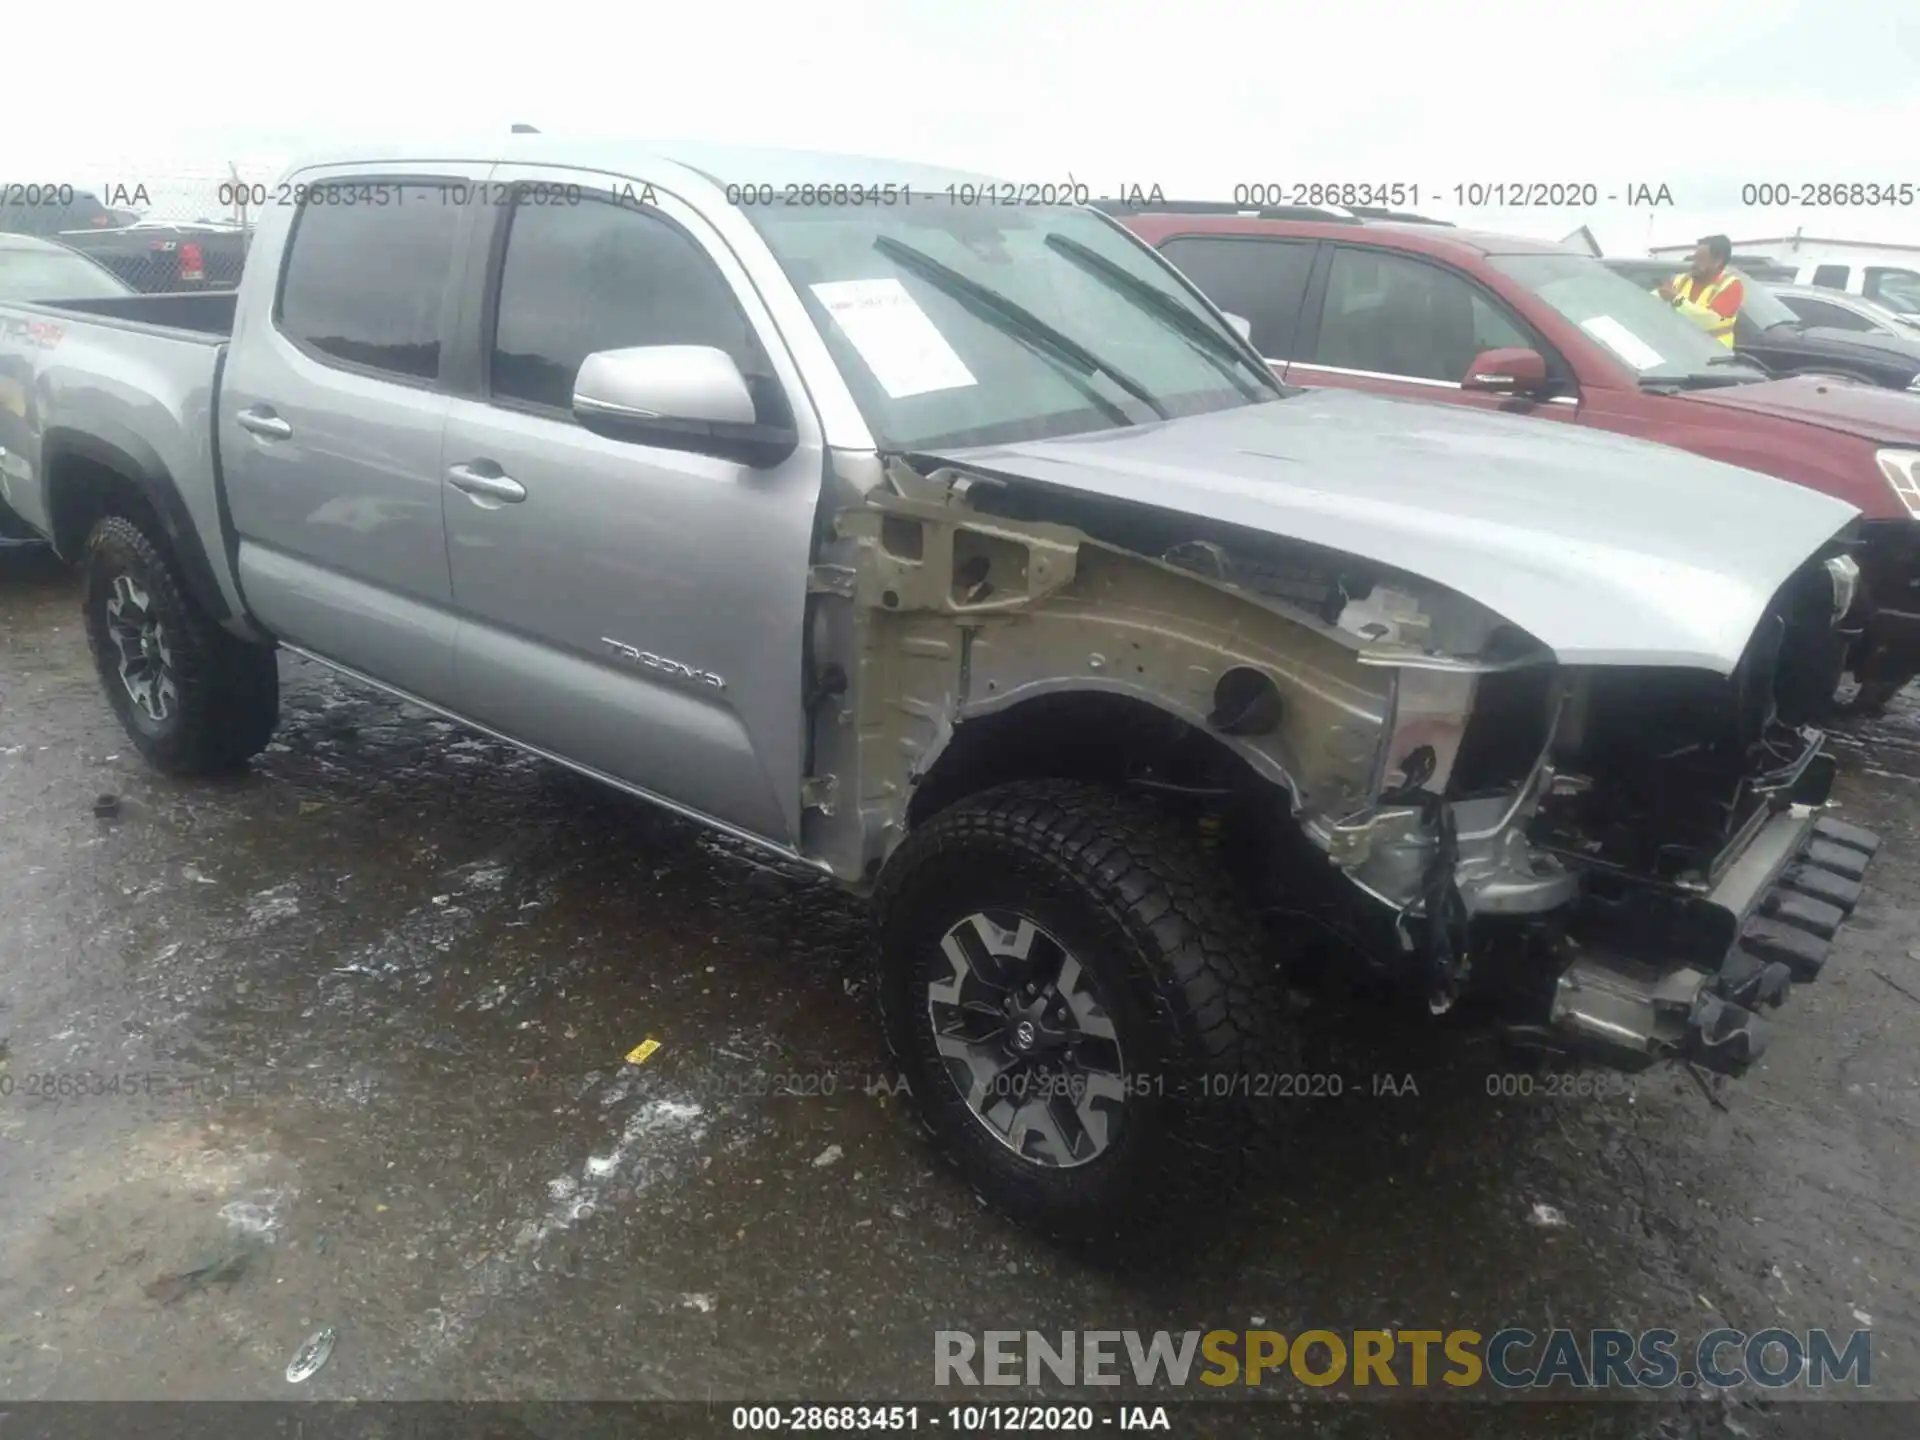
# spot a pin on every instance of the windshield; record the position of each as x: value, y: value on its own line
x: 1638, y: 327
x: 987, y: 324
x: 1899, y: 291
x: 1761, y: 308
x: 53, y: 275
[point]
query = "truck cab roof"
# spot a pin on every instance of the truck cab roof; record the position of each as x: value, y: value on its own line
x: 1413, y: 233
x: 721, y: 164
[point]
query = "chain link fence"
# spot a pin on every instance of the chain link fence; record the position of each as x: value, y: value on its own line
x: 159, y: 232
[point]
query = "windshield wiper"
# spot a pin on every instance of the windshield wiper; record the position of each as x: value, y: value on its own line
x: 1223, y: 353
x: 1698, y: 380
x: 1012, y: 318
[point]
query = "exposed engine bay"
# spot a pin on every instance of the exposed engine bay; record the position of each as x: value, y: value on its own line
x: 1598, y: 843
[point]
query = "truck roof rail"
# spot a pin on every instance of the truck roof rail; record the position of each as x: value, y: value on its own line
x: 1336, y: 214
x: 1398, y: 217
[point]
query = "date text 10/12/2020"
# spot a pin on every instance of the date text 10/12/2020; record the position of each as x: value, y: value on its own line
x: 137, y: 195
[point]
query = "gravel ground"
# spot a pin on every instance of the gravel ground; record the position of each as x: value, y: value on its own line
x: 346, y: 1036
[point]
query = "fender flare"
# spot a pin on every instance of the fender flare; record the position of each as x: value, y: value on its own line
x: 976, y: 723
x: 136, y: 462
x: 1260, y: 761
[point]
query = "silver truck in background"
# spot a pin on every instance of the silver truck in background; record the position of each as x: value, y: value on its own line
x: 963, y: 551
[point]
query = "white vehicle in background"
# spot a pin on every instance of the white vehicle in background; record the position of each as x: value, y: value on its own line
x: 1887, y: 274
x: 1837, y: 310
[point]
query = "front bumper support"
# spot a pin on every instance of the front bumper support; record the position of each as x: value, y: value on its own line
x: 1788, y: 894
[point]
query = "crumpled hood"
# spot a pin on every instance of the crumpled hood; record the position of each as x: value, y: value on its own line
x: 1888, y: 417
x: 1609, y: 550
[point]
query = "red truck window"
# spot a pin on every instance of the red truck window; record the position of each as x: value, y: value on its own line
x: 1390, y: 315
x: 1262, y: 280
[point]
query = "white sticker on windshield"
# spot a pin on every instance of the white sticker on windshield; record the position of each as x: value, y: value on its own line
x: 906, y: 352
x: 1623, y: 342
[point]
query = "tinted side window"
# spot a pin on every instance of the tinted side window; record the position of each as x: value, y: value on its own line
x: 596, y: 276
x: 1493, y: 329
x: 86, y: 213
x: 1833, y: 277
x: 1396, y: 316
x: 1263, y: 280
x: 1893, y: 287
x: 366, y: 284
x: 1837, y: 317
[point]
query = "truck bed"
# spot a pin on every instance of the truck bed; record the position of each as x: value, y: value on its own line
x: 199, y: 312
x: 127, y: 385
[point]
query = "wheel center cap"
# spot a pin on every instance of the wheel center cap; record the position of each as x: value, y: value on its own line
x: 1024, y: 1035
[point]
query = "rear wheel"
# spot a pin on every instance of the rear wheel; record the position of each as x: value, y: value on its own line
x: 193, y: 699
x: 1082, y: 1011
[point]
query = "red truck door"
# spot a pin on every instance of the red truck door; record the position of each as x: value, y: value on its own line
x: 1410, y: 327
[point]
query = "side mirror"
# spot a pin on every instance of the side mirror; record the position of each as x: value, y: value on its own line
x: 1509, y: 370
x: 1242, y: 326
x: 677, y: 397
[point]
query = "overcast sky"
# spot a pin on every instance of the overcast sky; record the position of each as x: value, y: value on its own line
x: 1197, y: 97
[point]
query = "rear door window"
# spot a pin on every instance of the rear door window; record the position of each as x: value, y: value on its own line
x: 1262, y: 279
x: 1830, y: 277
x: 366, y: 285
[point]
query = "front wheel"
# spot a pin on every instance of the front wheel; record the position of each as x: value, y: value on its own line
x: 1082, y: 1011
x: 193, y: 699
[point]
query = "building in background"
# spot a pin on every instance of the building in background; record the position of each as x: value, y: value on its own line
x: 1887, y: 274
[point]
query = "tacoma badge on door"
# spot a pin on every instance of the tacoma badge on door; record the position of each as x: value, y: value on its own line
x: 664, y: 665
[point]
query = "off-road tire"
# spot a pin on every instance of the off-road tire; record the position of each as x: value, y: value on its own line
x: 227, y: 691
x: 1198, y: 1010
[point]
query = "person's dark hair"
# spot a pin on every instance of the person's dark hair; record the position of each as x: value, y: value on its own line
x: 1718, y: 246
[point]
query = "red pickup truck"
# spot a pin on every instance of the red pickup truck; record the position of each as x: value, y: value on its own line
x: 1416, y: 308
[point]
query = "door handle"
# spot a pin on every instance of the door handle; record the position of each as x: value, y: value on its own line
x: 264, y: 423
x: 502, y: 488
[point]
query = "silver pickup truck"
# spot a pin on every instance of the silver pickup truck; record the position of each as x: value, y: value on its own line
x: 962, y: 550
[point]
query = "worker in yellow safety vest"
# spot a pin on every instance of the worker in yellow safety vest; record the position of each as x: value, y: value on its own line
x: 1706, y: 292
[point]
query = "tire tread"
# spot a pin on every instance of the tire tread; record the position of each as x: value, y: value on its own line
x: 1215, y: 999
x: 229, y: 690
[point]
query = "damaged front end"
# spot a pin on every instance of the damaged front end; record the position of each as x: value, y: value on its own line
x: 1630, y: 859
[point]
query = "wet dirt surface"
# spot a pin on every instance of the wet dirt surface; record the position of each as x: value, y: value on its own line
x: 340, y: 1043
